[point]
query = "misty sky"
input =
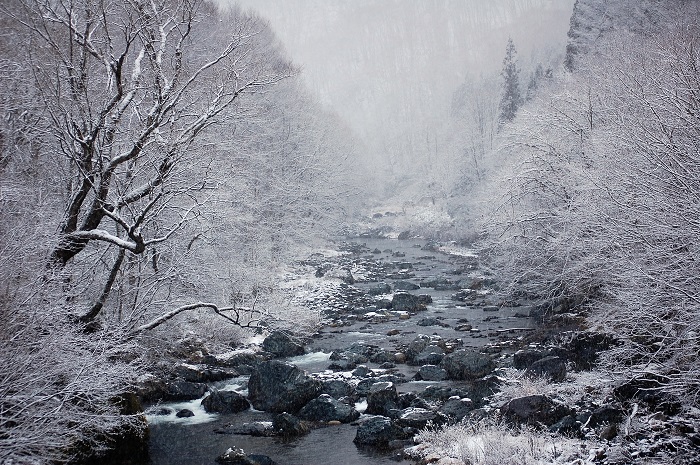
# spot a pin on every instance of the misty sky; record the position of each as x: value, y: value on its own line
x: 390, y: 67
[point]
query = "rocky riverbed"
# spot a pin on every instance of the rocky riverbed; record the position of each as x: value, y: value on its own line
x: 414, y: 335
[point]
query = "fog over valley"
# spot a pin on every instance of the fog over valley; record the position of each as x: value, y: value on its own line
x: 391, y: 68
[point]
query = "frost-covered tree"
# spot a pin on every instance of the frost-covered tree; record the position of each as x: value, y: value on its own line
x: 511, y: 98
x: 599, y: 199
x: 112, y: 118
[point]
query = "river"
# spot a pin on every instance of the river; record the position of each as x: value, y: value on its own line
x: 192, y: 441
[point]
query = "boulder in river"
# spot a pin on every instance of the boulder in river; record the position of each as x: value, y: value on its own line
x: 431, y: 373
x: 255, y: 428
x: 405, y: 286
x: 276, y: 386
x: 431, y: 355
x: 378, y: 431
x: 282, y: 344
x: 235, y: 456
x: 379, y: 289
x: 405, y: 302
x: 287, y: 425
x: 382, y: 398
x: 184, y: 390
x: 338, y: 388
x: 325, y: 408
x: 184, y: 413
x: 467, y: 365
x: 225, y: 402
x: 198, y: 374
x: 429, y: 321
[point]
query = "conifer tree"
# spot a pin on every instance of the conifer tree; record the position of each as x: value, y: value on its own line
x: 511, y: 98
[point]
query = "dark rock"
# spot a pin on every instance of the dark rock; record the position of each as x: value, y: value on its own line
x: 361, y: 372
x: 382, y: 398
x: 325, y: 408
x: 464, y: 295
x: 197, y: 374
x: 234, y: 456
x: 405, y: 286
x: 225, y: 402
x: 282, y: 344
x: 567, y: 426
x: 242, y: 362
x: 484, y: 387
x: 342, y: 365
x: 338, y: 388
x: 256, y: 428
x: 419, y: 418
x: 152, y: 389
x: 184, y: 413
x: 185, y: 390
x: 604, y: 415
x: 416, y: 346
x: 404, y: 235
x: 552, y: 368
x: 490, y: 308
x: 382, y: 356
x: 383, y: 304
x: 379, y: 289
x: 378, y: 431
x: 425, y: 299
x: 522, y: 359
x: 535, y: 409
x: 431, y: 373
x: 287, y: 425
x: 467, y: 365
x: 428, y: 321
x: 457, y: 408
x: 364, y: 386
x: 435, y: 281
x: 405, y: 302
x: 411, y: 399
x: 443, y: 393
x: 431, y: 355
x: 258, y: 459
x: 275, y: 386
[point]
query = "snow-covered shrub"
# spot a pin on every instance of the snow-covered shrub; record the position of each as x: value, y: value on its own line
x: 490, y: 442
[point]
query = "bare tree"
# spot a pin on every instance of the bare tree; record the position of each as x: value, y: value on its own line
x: 129, y: 87
x: 104, y: 162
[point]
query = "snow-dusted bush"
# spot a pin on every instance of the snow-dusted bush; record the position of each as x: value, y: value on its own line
x: 490, y: 442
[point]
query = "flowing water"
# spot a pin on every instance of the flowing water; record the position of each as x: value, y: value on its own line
x: 192, y: 441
